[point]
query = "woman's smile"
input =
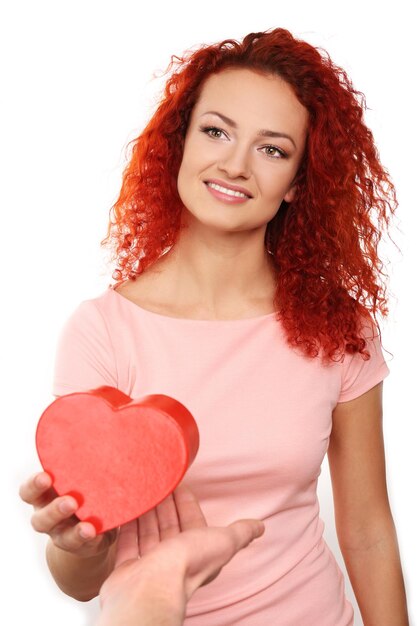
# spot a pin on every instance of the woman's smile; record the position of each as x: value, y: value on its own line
x: 226, y: 195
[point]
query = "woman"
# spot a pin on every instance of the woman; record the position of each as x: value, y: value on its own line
x: 248, y: 276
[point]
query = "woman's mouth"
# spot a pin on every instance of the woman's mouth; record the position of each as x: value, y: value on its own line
x: 226, y: 195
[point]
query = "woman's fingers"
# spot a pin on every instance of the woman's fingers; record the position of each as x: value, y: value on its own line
x: 34, y: 489
x: 54, y: 515
x: 73, y: 537
x: 60, y: 509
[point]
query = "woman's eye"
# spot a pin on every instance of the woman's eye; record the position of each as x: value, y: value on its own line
x: 281, y: 153
x: 212, y: 130
x: 209, y: 129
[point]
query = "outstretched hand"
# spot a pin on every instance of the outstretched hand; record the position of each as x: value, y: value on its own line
x: 174, y: 542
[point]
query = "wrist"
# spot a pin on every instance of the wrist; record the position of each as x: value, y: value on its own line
x: 165, y: 584
x: 152, y: 599
x: 78, y: 576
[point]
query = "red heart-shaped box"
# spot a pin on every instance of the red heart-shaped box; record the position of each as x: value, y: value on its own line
x: 117, y: 456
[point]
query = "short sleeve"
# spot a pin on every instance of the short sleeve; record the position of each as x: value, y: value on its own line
x: 84, y: 357
x: 358, y: 375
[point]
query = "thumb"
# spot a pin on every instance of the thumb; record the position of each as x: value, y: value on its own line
x: 230, y: 539
x: 246, y: 530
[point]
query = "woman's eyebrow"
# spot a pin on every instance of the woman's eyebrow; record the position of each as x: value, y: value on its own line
x: 261, y: 133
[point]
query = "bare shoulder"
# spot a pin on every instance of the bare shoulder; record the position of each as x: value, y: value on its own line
x: 148, y: 288
x: 139, y: 289
x: 129, y: 288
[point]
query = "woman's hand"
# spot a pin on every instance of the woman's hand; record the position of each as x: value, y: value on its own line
x: 54, y: 515
x: 169, y: 551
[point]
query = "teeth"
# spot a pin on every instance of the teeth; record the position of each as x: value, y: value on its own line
x: 229, y: 192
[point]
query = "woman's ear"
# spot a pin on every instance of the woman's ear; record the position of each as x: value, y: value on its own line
x: 295, y: 183
x: 290, y: 195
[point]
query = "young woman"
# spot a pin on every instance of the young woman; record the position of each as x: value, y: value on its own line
x: 248, y: 283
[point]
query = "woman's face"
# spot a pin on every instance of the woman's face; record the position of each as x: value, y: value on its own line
x: 233, y: 152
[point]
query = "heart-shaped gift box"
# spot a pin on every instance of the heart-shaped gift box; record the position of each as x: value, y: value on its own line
x: 118, y: 456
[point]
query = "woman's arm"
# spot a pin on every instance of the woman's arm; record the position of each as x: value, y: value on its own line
x: 79, y: 576
x: 364, y: 524
x: 79, y: 564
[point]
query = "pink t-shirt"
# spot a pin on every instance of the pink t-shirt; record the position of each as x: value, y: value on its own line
x: 264, y: 413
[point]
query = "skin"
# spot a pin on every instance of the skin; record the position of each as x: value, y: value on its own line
x: 178, y: 554
x: 78, y: 558
x: 219, y: 269
x: 161, y: 558
x: 364, y: 523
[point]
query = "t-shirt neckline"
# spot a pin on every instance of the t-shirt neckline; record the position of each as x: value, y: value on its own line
x: 243, y: 320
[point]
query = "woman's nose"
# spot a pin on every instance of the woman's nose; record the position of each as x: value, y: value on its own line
x: 236, y: 163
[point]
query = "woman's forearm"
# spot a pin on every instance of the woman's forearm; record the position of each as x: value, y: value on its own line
x: 79, y: 577
x: 377, y: 580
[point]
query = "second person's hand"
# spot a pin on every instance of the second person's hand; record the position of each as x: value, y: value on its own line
x: 166, y: 554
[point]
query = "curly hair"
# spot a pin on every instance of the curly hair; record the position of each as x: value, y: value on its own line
x: 325, y: 242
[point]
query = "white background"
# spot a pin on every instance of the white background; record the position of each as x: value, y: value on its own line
x: 77, y: 86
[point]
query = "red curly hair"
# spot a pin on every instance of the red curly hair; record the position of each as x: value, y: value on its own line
x: 324, y: 243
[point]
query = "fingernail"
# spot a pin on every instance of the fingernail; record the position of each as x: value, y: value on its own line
x: 42, y: 481
x: 86, y: 534
x: 66, y: 506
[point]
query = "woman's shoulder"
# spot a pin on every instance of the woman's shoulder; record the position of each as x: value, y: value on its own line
x: 134, y: 290
x: 144, y: 291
